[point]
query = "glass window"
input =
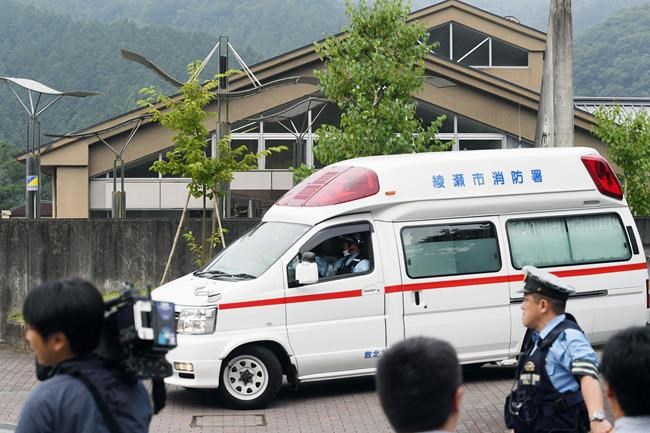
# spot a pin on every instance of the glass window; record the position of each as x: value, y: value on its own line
x: 341, y: 251
x: 567, y: 240
x: 141, y: 168
x: 251, y: 145
x: 504, y: 54
x: 284, y: 159
x: 438, y: 250
x: 466, y: 39
x: 440, y: 35
x: 478, y: 144
x: 253, y: 253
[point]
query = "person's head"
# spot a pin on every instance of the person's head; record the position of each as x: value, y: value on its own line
x: 545, y: 297
x: 64, y: 319
x: 351, y: 243
x: 418, y: 383
x: 625, y: 365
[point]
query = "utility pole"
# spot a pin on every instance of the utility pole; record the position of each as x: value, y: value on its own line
x: 556, y: 111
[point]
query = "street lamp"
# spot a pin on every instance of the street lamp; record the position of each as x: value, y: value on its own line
x: 32, y: 161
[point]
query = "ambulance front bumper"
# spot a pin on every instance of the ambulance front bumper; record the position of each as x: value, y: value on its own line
x: 201, y: 352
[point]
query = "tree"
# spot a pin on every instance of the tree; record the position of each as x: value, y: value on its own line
x: 12, y: 178
x: 371, y: 73
x: 186, y: 115
x: 627, y: 137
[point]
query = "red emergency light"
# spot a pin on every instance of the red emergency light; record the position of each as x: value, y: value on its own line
x: 332, y: 186
x: 603, y: 176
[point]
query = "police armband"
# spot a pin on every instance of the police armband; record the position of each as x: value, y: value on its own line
x: 584, y: 367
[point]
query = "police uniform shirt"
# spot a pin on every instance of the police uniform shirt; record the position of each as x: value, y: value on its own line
x: 362, y: 266
x: 569, y: 356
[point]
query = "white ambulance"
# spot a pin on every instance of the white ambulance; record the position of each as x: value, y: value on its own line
x: 442, y: 238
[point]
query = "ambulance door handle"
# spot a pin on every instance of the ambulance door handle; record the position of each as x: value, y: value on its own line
x: 416, y: 297
x: 370, y: 291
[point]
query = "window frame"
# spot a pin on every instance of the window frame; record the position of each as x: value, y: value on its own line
x: 565, y: 217
x: 329, y: 233
x: 450, y: 224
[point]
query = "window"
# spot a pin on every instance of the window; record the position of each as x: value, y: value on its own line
x: 253, y: 253
x: 473, y: 48
x: 567, y: 240
x: 437, y: 250
x: 341, y: 251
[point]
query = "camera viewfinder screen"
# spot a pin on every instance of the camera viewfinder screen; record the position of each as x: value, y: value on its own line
x: 164, y: 326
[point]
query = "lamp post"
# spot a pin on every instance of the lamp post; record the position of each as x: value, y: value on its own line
x: 35, y: 92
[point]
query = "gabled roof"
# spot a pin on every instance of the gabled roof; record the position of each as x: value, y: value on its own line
x: 300, y: 59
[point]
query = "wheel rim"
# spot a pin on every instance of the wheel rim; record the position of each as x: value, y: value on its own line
x: 245, y: 377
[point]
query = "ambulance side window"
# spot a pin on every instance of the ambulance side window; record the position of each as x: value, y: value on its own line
x: 341, y: 252
x: 568, y: 240
x: 450, y: 249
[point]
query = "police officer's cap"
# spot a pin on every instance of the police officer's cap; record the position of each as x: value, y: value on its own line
x: 546, y: 284
x: 354, y: 238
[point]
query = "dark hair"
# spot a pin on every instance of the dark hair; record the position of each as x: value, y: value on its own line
x: 72, y: 306
x: 626, y: 367
x: 558, y: 306
x: 416, y: 382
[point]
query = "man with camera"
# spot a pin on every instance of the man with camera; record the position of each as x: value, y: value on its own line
x: 79, y: 392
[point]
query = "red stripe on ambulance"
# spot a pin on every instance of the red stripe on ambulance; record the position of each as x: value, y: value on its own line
x: 431, y: 285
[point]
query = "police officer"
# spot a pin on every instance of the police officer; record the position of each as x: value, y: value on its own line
x: 351, y: 260
x: 556, y: 385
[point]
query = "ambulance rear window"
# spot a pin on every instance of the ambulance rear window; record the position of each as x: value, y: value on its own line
x: 574, y: 240
x: 332, y: 185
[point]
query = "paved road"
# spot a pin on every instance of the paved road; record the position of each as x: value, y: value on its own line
x: 336, y: 406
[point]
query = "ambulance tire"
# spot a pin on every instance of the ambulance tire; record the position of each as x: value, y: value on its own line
x: 250, y: 378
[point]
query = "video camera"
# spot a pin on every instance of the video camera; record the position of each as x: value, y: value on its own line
x: 137, y: 334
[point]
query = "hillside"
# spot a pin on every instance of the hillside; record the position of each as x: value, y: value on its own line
x: 534, y: 13
x: 70, y: 55
x: 612, y: 59
x: 271, y: 27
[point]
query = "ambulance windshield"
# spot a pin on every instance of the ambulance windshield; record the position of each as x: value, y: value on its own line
x: 253, y: 253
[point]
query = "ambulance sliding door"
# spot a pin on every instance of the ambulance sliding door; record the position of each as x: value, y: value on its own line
x: 455, y: 285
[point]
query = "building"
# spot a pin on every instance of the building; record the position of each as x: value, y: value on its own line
x: 485, y: 76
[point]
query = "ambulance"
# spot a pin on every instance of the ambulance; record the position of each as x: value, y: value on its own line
x: 444, y: 236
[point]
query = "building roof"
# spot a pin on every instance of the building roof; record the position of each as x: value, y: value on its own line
x: 629, y: 105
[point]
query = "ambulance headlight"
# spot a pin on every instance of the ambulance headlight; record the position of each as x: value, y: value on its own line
x: 197, y: 321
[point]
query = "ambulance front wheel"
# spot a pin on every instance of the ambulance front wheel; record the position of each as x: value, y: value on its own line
x: 250, y: 378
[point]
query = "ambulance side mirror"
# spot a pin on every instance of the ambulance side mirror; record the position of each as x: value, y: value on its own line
x: 307, y: 270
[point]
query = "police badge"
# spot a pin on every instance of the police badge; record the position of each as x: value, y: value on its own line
x: 529, y: 366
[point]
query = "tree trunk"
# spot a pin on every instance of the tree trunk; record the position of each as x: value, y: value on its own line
x: 178, y: 235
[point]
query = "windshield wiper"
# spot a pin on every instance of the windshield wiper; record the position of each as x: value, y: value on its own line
x: 217, y: 274
x: 212, y: 273
x: 243, y: 276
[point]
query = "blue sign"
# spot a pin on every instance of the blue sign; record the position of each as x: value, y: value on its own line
x: 511, y: 177
x: 32, y: 183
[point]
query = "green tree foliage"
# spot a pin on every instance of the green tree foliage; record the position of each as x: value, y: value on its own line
x: 371, y: 73
x: 612, y: 59
x: 186, y: 115
x: 627, y: 137
x: 12, y: 178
